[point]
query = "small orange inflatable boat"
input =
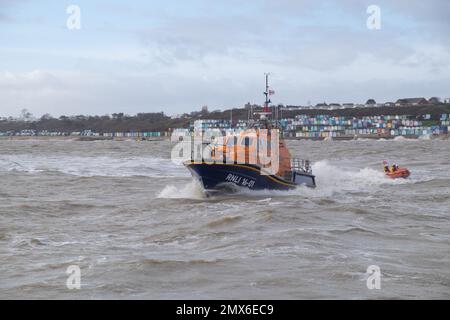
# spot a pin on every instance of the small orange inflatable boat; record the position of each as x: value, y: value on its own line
x: 399, y: 173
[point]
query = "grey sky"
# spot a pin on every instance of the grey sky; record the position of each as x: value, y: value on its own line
x: 146, y: 56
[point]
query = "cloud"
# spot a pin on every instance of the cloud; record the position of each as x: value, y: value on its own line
x: 223, y: 82
x: 6, y: 6
x: 179, y: 56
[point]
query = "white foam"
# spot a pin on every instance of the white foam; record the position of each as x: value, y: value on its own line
x: 348, y: 177
x: 425, y: 137
x: 419, y: 138
x: 332, y: 180
x: 93, y: 166
x: 351, y: 179
x: 192, y: 190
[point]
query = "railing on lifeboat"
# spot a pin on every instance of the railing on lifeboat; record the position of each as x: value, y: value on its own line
x: 301, y: 165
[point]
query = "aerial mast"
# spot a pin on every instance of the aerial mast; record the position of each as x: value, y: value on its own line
x: 266, y: 93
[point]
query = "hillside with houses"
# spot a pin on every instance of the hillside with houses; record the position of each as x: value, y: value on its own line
x: 160, y: 124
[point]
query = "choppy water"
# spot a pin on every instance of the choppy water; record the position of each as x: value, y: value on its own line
x: 138, y: 226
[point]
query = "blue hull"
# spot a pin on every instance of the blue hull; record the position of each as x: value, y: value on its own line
x: 217, y: 176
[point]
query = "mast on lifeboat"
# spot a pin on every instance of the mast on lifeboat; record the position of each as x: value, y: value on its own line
x: 266, y: 112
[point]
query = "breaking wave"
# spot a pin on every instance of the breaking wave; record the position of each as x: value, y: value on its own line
x: 192, y: 190
x: 349, y: 178
x: 93, y: 166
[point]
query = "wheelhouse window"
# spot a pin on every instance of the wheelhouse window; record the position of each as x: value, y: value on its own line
x: 247, y: 141
x: 230, y: 142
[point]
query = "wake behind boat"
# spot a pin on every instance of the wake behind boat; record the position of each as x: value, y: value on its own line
x: 242, y: 160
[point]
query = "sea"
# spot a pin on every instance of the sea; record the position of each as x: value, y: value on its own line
x: 120, y: 220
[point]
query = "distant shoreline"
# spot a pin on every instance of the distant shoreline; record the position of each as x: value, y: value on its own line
x: 373, y: 137
x: 340, y: 138
x: 77, y: 138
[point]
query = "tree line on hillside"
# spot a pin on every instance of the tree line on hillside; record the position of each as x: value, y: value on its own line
x: 117, y: 122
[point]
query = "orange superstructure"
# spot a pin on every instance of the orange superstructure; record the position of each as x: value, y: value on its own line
x: 249, y: 147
